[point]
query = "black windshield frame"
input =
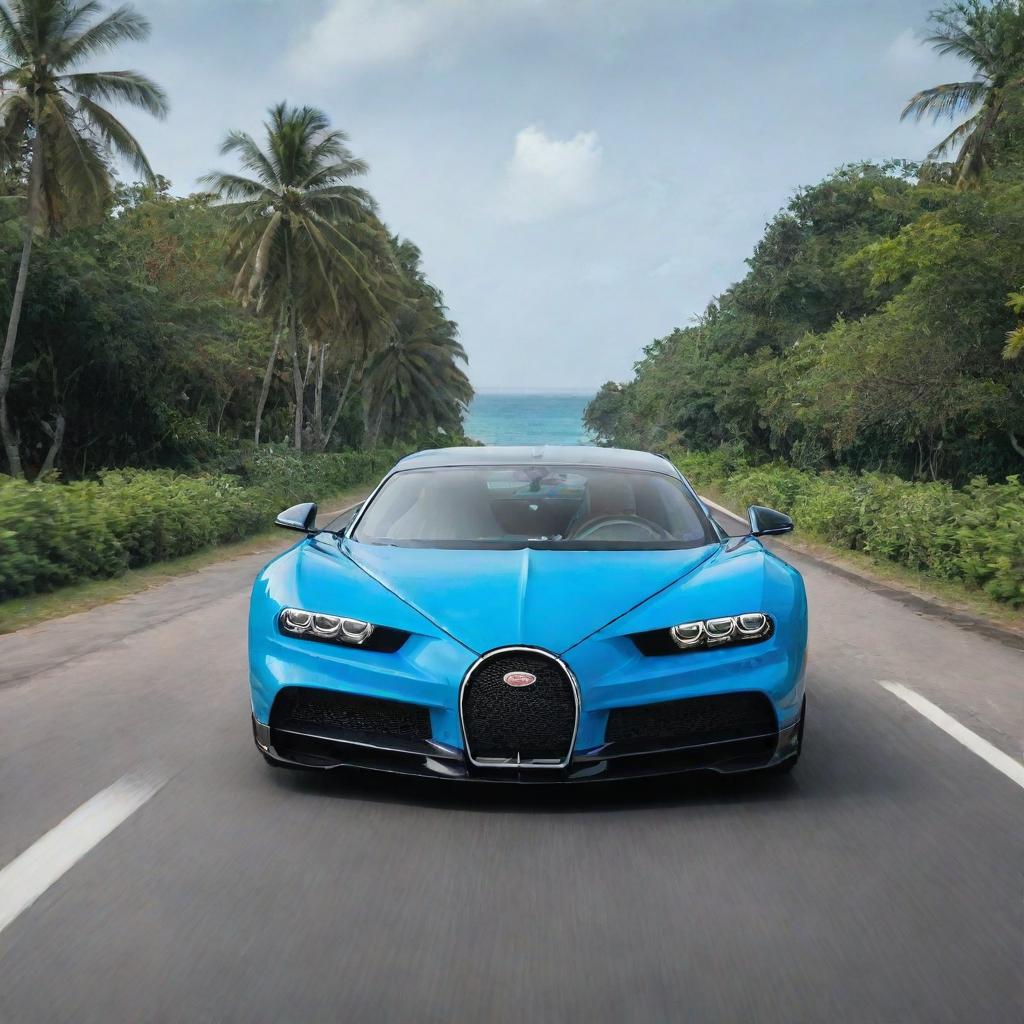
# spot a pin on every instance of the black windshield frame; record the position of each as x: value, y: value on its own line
x: 709, y: 535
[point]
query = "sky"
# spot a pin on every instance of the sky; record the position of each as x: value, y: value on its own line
x: 581, y: 175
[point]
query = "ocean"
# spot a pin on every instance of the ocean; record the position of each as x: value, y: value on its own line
x: 528, y: 417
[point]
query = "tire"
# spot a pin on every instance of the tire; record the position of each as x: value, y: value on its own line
x: 785, y: 767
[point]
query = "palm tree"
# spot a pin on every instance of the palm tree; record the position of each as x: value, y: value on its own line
x: 55, y: 129
x: 342, y: 336
x: 990, y: 37
x: 294, y: 217
x: 414, y: 378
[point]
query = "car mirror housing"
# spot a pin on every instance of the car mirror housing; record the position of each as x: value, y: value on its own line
x: 300, y: 517
x: 766, y: 522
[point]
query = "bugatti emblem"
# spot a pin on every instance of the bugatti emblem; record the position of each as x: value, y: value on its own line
x: 520, y: 678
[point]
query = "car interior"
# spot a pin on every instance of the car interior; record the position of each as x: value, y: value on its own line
x: 552, y: 504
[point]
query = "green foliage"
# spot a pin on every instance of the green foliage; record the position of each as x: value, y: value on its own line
x: 974, y: 535
x: 875, y: 329
x: 988, y: 35
x: 46, y: 96
x: 413, y: 380
x: 351, y: 299
x: 878, y: 324
x: 54, y: 534
x: 1015, y: 338
x: 128, y: 330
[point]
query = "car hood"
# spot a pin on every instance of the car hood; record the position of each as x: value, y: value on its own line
x: 538, y: 598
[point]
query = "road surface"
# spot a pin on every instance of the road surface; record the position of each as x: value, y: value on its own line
x: 187, y: 881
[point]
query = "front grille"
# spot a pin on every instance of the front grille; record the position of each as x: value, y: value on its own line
x: 304, y: 709
x: 519, y: 724
x: 692, y: 720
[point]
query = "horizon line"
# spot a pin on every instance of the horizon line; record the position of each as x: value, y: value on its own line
x: 566, y: 390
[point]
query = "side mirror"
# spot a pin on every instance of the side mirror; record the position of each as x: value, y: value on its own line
x: 298, y: 517
x: 768, y: 522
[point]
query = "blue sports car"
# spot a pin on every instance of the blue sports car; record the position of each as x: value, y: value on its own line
x: 529, y: 615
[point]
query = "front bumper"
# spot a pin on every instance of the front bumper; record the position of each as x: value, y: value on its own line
x: 611, y: 672
x: 326, y: 748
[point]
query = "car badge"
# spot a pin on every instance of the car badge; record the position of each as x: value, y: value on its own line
x: 520, y: 678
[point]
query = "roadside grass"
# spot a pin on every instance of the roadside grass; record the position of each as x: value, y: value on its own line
x: 79, y: 597
x: 957, y: 597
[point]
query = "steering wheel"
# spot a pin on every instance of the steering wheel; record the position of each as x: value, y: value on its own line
x: 589, y: 527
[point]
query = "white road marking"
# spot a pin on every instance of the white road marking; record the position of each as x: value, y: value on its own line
x: 31, y: 873
x: 1009, y: 766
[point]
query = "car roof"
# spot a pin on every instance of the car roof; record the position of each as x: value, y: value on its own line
x: 548, y: 454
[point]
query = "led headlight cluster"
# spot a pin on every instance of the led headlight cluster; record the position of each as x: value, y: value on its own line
x: 728, y: 629
x: 329, y: 628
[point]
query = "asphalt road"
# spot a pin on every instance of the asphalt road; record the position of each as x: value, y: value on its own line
x: 881, y: 882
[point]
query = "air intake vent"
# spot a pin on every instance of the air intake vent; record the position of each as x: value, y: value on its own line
x: 304, y: 709
x: 693, y: 720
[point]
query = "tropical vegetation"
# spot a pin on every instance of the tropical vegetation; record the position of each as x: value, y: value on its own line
x: 151, y: 330
x: 989, y: 37
x: 971, y: 535
x: 55, y: 534
x: 869, y: 362
x: 878, y: 325
x: 55, y: 135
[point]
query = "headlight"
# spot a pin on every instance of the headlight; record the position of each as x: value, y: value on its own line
x: 336, y: 629
x: 726, y: 629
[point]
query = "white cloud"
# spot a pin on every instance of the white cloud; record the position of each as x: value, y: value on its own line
x: 353, y: 35
x: 909, y: 52
x: 356, y: 35
x: 548, y: 176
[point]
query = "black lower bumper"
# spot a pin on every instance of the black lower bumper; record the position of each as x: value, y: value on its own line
x: 328, y: 748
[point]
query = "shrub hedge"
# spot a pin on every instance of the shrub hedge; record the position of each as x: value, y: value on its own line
x: 53, y: 534
x: 973, y: 534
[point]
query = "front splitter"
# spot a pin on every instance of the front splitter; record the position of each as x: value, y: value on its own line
x: 425, y: 759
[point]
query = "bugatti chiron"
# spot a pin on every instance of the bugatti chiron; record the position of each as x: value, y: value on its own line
x: 528, y: 615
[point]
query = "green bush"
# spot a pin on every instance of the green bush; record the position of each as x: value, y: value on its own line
x: 703, y: 468
x: 990, y: 538
x: 53, y: 534
x: 974, y: 535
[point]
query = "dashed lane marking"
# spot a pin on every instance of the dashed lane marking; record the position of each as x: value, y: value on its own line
x: 1003, y: 762
x: 32, y: 872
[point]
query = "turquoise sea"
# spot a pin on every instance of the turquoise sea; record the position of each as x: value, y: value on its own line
x: 528, y: 417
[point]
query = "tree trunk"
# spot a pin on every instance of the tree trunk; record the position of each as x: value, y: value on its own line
x: 366, y: 413
x: 341, y: 405
x: 224, y: 409
x: 11, y: 441
x: 318, y: 397
x: 376, y: 427
x: 293, y: 339
x: 268, y: 378
x: 293, y: 332
x: 56, y: 433
x: 309, y: 365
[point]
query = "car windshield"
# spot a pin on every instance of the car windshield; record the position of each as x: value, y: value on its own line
x: 571, y: 507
